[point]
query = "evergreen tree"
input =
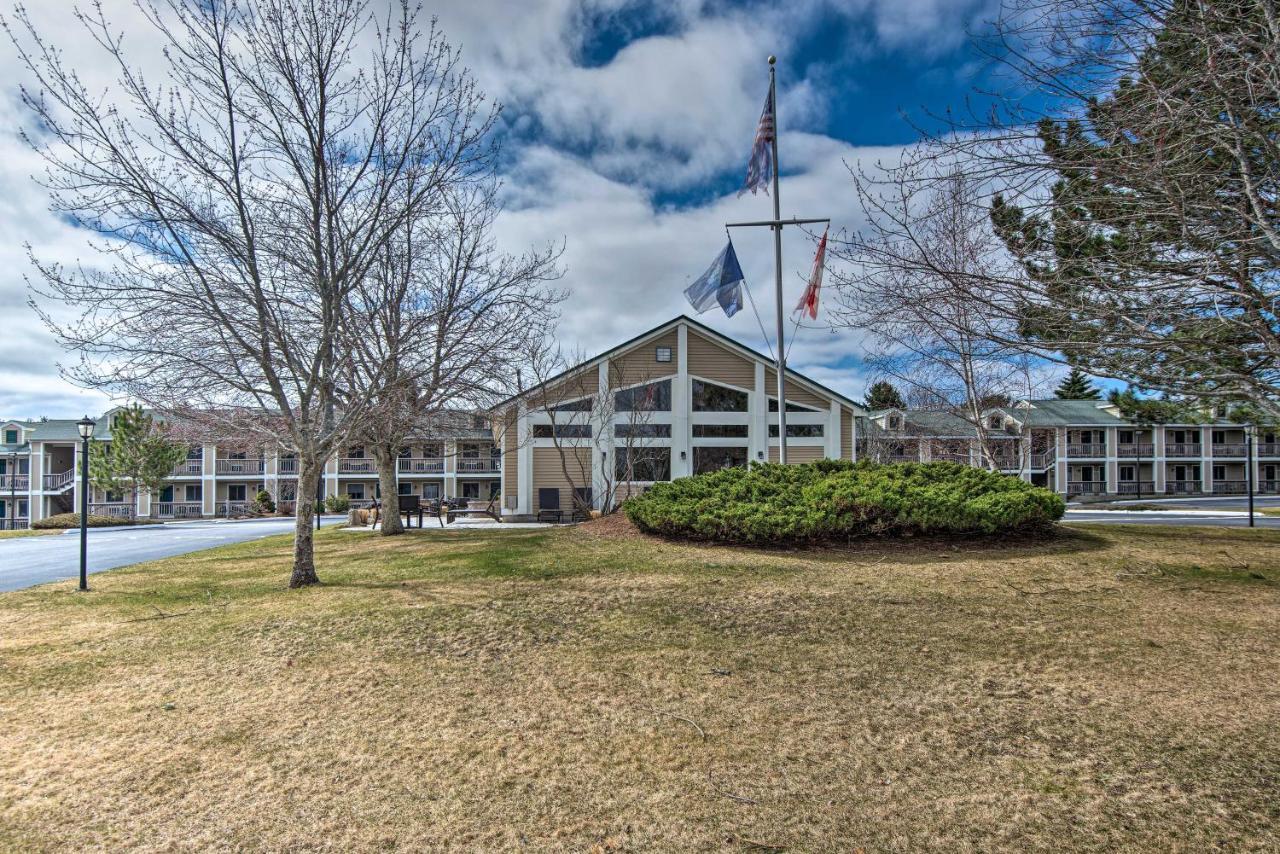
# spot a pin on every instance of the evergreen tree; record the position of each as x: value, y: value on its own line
x: 139, y: 455
x: 883, y: 395
x: 1076, y: 386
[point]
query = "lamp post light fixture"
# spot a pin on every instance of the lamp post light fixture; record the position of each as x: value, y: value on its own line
x: 1248, y: 468
x: 85, y: 426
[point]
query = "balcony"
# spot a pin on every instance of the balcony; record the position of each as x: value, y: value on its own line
x: 1040, y: 462
x: 59, y: 481
x: 178, y: 509
x: 1135, y: 449
x: 1268, y: 486
x: 357, y: 465
x: 1087, y: 487
x: 420, y: 465
x: 287, y: 466
x: 1183, y: 487
x: 1182, y: 449
x: 190, y: 467
x: 15, y: 482
x: 478, y: 465
x: 114, y: 509
x: 239, y: 466
x: 1089, y: 451
x: 1269, y: 449
x: 1136, y: 487
x: 961, y: 457
x: 1230, y: 487
x: 1228, y: 449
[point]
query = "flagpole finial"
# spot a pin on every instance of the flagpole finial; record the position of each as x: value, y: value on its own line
x: 772, y: 59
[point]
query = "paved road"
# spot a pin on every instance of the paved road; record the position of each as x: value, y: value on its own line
x: 1170, y: 517
x: 25, y: 561
x: 1234, y: 502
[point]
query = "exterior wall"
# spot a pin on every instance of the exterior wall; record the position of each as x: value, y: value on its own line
x: 548, y: 473
x: 795, y: 392
x: 510, y: 463
x: 798, y: 453
x: 846, y: 434
x: 712, y: 361
x: 640, y: 364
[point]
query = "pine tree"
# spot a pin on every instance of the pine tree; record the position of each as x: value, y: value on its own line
x: 883, y: 395
x: 139, y: 455
x: 1077, y: 386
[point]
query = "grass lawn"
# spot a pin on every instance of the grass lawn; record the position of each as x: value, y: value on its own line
x: 24, y: 532
x: 589, y: 689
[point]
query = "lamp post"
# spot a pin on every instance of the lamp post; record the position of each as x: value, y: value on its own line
x: 13, y: 491
x: 85, y: 426
x: 1248, y: 467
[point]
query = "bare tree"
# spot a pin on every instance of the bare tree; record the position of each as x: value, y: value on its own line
x: 452, y: 321
x: 241, y: 205
x: 907, y: 283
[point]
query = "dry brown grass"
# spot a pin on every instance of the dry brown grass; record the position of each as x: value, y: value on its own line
x: 593, y: 690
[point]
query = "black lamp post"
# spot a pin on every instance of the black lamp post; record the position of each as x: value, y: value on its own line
x: 1248, y: 465
x: 85, y: 426
x: 13, y: 492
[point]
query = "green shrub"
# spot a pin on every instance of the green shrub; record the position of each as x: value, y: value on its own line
x: 65, y: 521
x: 265, y: 501
x: 839, y: 500
x: 337, y: 504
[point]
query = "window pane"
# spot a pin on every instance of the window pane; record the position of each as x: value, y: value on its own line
x: 582, y: 405
x: 654, y: 397
x: 562, y: 431
x: 719, y: 431
x: 791, y: 407
x: 642, y: 431
x: 798, y: 431
x: 709, y: 397
x: 642, y: 464
x: 713, y: 459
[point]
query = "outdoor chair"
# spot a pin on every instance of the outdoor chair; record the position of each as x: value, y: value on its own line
x: 549, y: 505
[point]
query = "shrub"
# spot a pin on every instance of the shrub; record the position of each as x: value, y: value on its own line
x: 337, y: 504
x: 66, y: 521
x: 265, y: 501
x: 839, y: 500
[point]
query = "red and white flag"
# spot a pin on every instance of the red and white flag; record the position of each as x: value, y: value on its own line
x: 809, y: 300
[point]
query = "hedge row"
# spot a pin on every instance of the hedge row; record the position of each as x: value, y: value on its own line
x: 72, y: 520
x: 839, y: 500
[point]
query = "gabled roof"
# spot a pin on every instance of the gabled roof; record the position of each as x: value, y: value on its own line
x: 928, y: 422
x: 1053, y: 412
x: 702, y: 329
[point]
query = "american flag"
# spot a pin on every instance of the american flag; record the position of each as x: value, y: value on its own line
x: 760, y: 169
x: 809, y: 300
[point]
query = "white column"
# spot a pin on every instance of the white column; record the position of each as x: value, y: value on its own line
x: 681, y: 409
x: 1206, y: 460
x: 524, y: 461
x: 833, y: 431
x: 1061, y: 472
x: 1158, y: 460
x: 450, y: 485
x: 601, y: 444
x: 209, y: 480
x: 758, y: 446
x: 1112, y: 460
x: 35, y: 480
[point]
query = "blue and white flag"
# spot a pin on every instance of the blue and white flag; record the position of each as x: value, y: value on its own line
x: 720, y: 285
x: 760, y: 169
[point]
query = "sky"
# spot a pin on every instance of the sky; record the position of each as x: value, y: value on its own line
x: 626, y: 130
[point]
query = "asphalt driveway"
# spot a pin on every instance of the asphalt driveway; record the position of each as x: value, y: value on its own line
x: 25, y: 561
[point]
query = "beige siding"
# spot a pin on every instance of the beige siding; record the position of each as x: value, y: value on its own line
x: 798, y: 453
x: 795, y: 393
x: 582, y: 384
x: 510, y: 461
x: 548, y: 473
x: 846, y: 433
x: 719, y: 364
x: 640, y: 363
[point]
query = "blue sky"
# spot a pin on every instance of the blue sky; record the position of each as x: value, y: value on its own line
x: 626, y: 130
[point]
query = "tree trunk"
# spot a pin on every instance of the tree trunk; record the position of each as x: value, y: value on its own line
x: 304, y: 558
x: 387, y: 459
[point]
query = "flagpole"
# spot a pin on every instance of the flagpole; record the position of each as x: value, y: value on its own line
x: 777, y: 258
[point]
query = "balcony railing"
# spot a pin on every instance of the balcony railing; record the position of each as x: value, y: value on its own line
x: 15, y: 482
x: 288, y: 507
x: 1269, y: 449
x: 232, y: 508
x: 1270, y: 486
x: 1135, y: 449
x: 287, y: 465
x: 1092, y: 449
x: 1039, y: 462
x: 474, y: 465
x: 1183, y: 487
x: 178, y: 509
x: 420, y: 465
x: 59, y: 481
x: 360, y: 503
x: 9, y: 522
x: 240, y: 466
x: 190, y: 467
x: 114, y: 509
x: 1228, y: 449
x: 1086, y: 487
x: 961, y: 457
x: 357, y: 465
x: 1230, y: 487
x: 1136, y: 487
x: 1182, y: 449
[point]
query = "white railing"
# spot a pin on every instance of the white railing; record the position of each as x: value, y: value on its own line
x: 1092, y: 450
x: 1136, y: 487
x: 179, y: 509
x: 420, y: 465
x: 233, y: 508
x: 1228, y: 449
x: 114, y: 509
x: 359, y: 503
x: 474, y: 464
x: 15, y: 481
x: 1183, y: 487
x: 1086, y: 487
x: 287, y: 465
x: 192, y: 466
x: 1230, y: 487
x: 1135, y: 449
x: 1040, y: 462
x: 239, y: 466
x: 1182, y: 449
x: 357, y: 465
x: 1269, y: 449
x: 59, y: 481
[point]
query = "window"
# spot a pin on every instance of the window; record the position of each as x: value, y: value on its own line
x: 583, y: 405
x: 22, y: 507
x: 470, y: 451
x: 471, y: 490
x: 663, y: 354
x: 562, y: 431
x: 1219, y: 472
x: 719, y: 431
x: 495, y: 489
x: 166, y: 495
x: 11, y: 437
x: 356, y: 453
x: 791, y: 407
x: 197, y: 453
x: 194, y: 492
x: 431, y: 491
x: 1125, y: 437
x: 895, y: 422
x: 1126, y: 474
x: 1219, y: 437
x: 431, y: 452
x: 479, y: 422
x: 642, y: 464
x: 405, y: 453
x: 114, y: 497
x: 642, y: 431
x: 708, y: 459
x: 995, y: 422
x: 709, y: 397
x: 236, y: 492
x: 654, y: 397
x: 798, y: 431
x: 355, y: 491
x: 404, y: 489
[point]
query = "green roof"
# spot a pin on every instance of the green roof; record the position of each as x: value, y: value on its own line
x: 1065, y: 413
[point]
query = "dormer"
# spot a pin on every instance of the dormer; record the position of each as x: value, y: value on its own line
x: 12, y: 433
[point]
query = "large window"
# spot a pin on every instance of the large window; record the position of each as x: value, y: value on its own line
x: 791, y: 407
x: 642, y: 463
x: 709, y: 397
x: 719, y: 431
x: 642, y: 431
x: 707, y: 459
x: 654, y: 397
x: 236, y: 492
x: 562, y: 431
x: 798, y: 431
x: 580, y: 405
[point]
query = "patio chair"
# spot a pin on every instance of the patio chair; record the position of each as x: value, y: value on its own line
x: 549, y: 505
